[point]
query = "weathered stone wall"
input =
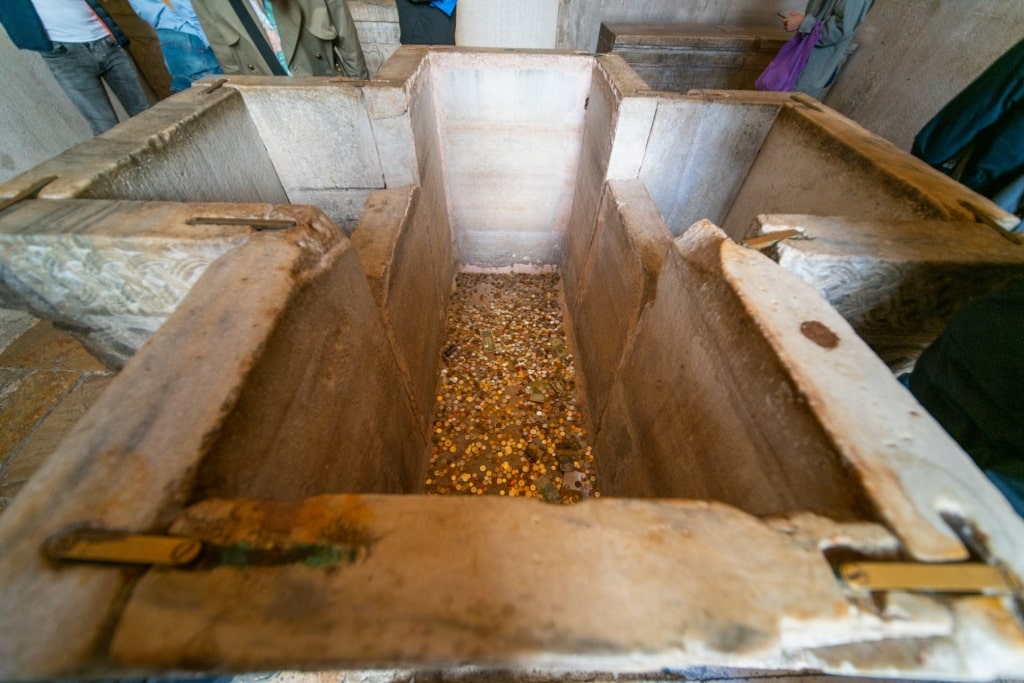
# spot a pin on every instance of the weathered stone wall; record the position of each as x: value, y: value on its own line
x: 579, y: 21
x: 614, y: 115
x: 913, y: 57
x: 511, y: 145
x: 710, y: 372
x: 691, y: 385
x: 815, y: 162
x: 39, y: 120
x: 330, y: 160
x: 699, y: 155
x: 522, y: 24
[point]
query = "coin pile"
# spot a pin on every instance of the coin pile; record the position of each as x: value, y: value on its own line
x: 506, y: 420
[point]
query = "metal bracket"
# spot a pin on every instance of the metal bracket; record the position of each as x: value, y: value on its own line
x: 103, y: 546
x: 772, y: 238
x: 927, y: 578
x: 255, y: 223
x: 216, y: 85
x: 96, y: 545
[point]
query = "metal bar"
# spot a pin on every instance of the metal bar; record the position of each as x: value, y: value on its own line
x: 926, y: 578
x: 97, y: 545
x: 215, y: 85
x: 257, y: 223
x: 768, y: 239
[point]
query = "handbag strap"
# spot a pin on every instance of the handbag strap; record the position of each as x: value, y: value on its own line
x: 258, y: 39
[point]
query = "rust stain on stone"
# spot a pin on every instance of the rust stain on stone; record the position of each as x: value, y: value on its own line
x: 820, y: 334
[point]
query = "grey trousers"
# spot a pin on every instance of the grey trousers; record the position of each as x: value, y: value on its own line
x: 81, y: 69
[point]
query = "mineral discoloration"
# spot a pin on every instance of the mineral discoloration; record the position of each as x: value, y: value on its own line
x: 820, y: 334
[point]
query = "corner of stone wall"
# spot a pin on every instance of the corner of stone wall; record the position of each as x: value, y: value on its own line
x: 618, y: 281
x: 408, y: 274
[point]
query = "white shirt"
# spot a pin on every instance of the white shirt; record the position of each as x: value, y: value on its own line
x: 70, y: 21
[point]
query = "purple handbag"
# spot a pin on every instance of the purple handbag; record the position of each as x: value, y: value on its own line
x: 784, y: 71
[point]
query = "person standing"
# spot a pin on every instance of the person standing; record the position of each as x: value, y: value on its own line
x: 978, y: 137
x: 187, y: 53
x: 971, y: 380
x: 84, y: 49
x: 283, y: 37
x: 426, y: 22
x: 840, y: 20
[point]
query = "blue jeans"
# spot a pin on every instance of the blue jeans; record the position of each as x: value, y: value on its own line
x: 187, y: 58
x: 81, y: 69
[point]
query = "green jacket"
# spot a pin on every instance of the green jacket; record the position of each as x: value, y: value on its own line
x: 318, y: 37
x: 839, y: 21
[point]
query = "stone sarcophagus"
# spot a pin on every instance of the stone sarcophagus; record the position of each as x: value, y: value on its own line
x: 270, y: 262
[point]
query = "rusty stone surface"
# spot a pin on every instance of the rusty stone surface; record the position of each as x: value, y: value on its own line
x: 626, y: 591
x: 896, y: 282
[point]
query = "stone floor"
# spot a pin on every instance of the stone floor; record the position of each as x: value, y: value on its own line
x: 47, y: 382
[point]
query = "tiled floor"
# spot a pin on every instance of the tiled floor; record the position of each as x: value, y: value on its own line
x: 47, y: 382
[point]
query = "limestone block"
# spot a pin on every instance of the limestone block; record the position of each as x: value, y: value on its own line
x: 580, y: 20
x: 406, y: 61
x: 434, y: 202
x: 342, y: 206
x: 511, y: 146
x: 706, y: 402
x: 397, y: 150
x: 373, y: 11
x: 815, y: 162
x: 379, y: 40
x: 590, y: 183
x: 275, y: 386
x: 409, y: 278
x: 620, y: 585
x: 634, y: 114
x: 896, y: 282
x: 614, y: 122
x: 109, y: 272
x: 528, y: 24
x: 193, y: 146
x: 376, y: 37
x: 811, y: 408
x: 699, y: 153
x: 319, y: 138
x: 682, y: 57
x: 388, y: 109
x: 618, y: 282
x: 308, y: 418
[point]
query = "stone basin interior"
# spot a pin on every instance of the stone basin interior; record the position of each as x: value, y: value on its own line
x: 314, y: 229
x: 494, y: 160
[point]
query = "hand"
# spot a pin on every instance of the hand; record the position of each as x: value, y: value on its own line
x: 792, y: 20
